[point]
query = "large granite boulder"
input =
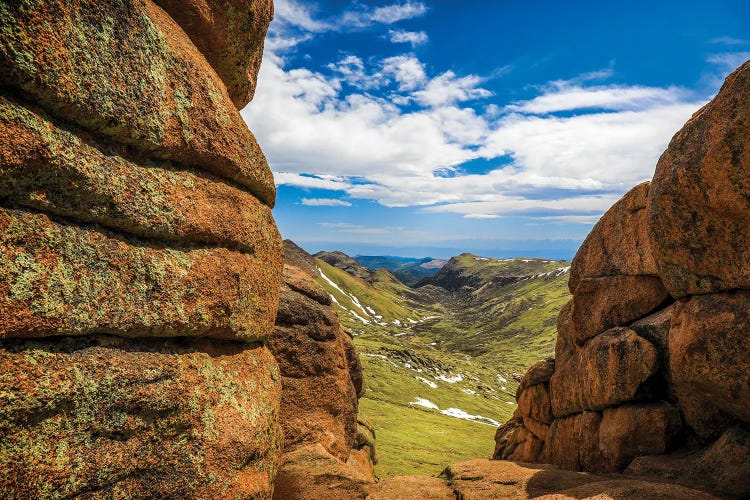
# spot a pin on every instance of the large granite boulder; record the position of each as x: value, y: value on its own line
x: 618, y: 244
x: 665, y: 394
x: 230, y: 34
x: 607, y: 371
x: 327, y: 450
x: 107, y: 417
x: 709, y: 343
x: 699, y: 197
x: 319, y: 401
x: 140, y: 264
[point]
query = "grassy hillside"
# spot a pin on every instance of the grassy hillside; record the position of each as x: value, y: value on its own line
x: 441, y: 367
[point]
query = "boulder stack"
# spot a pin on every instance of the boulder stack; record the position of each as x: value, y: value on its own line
x: 327, y: 450
x: 139, y: 262
x: 653, y: 350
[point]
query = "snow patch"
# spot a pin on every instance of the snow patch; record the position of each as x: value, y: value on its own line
x: 469, y: 391
x: 450, y: 380
x: 425, y: 403
x: 371, y: 311
x: 459, y: 413
x: 501, y: 378
x: 428, y: 382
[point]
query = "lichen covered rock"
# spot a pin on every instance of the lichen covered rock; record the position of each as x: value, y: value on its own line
x: 121, y: 418
x: 58, y: 278
x: 708, y: 359
x: 699, y: 197
x: 139, y: 261
x: 230, y: 34
x: 126, y: 71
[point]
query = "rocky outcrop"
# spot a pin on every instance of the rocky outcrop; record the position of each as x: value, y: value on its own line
x: 140, y: 264
x: 327, y: 450
x: 651, y: 363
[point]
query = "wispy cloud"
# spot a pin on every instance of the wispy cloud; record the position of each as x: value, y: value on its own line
x: 729, y: 40
x: 392, y: 131
x: 412, y: 37
x: 325, y: 202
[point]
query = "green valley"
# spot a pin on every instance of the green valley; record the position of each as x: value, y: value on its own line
x: 442, y: 358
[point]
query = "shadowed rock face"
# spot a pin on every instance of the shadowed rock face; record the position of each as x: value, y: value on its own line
x: 666, y: 391
x: 140, y: 264
x: 328, y: 451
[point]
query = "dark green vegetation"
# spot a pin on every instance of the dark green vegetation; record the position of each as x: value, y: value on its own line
x: 407, y: 269
x: 442, y: 360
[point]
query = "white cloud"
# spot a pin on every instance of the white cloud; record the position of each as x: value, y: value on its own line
x: 325, y: 202
x: 610, y: 97
x: 729, y: 40
x: 448, y: 89
x: 728, y: 61
x: 409, y: 144
x: 406, y: 70
x: 412, y: 37
x: 390, y: 14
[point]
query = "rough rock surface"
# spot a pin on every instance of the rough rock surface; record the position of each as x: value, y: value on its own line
x: 328, y: 451
x: 230, y: 34
x: 606, y: 371
x: 699, y: 197
x: 139, y: 261
x: 319, y: 401
x: 126, y: 71
x: 618, y: 244
x: 665, y: 394
x: 708, y: 356
x: 723, y: 467
x: 602, y: 303
x: 116, y: 418
x: 483, y: 479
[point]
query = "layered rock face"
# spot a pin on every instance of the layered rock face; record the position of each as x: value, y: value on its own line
x: 327, y: 451
x: 139, y: 262
x: 653, y: 348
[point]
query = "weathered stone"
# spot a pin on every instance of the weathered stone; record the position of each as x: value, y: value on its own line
x: 602, y: 303
x: 310, y: 472
x: 117, y: 418
x: 655, y: 329
x: 60, y: 279
x: 618, y: 244
x: 722, y: 467
x: 124, y: 70
x: 573, y: 442
x: 625, y: 488
x: 539, y: 429
x: 538, y: 373
x: 701, y: 197
x: 48, y: 167
x: 530, y: 448
x: 629, y: 431
x: 508, y: 436
x: 230, y: 34
x: 482, y: 479
x: 534, y: 402
x: 411, y: 487
x: 319, y: 401
x: 708, y: 355
x: 607, y: 371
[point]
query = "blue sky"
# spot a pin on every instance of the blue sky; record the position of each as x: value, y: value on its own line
x: 501, y: 127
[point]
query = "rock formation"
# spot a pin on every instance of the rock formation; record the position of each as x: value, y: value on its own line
x: 327, y: 452
x: 651, y: 366
x: 139, y: 262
